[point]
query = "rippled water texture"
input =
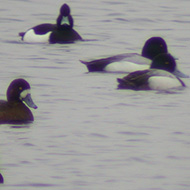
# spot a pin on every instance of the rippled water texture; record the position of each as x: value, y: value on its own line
x: 87, y: 134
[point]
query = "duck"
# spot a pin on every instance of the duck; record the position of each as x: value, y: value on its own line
x: 14, y: 110
x: 163, y: 74
x: 1, y: 178
x: 61, y: 32
x: 129, y: 62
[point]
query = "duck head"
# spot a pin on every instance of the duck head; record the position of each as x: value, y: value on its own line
x: 64, y: 19
x: 153, y: 47
x: 18, y: 91
x: 166, y: 61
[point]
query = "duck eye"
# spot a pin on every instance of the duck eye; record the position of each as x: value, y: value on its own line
x: 161, y: 45
x: 20, y: 88
x: 167, y: 63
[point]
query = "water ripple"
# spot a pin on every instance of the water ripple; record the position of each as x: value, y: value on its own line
x: 133, y: 133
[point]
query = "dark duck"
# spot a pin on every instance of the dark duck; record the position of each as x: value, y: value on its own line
x: 61, y: 32
x: 163, y: 74
x: 129, y: 62
x: 14, y: 110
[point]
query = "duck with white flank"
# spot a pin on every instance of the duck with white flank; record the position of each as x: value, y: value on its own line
x: 129, y: 62
x: 61, y: 32
x: 162, y: 75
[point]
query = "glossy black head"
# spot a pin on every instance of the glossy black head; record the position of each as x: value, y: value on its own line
x: 65, y: 10
x: 153, y: 47
x: 65, y: 20
x: 165, y: 62
x: 18, y: 91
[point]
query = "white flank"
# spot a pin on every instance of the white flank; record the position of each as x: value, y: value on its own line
x: 124, y: 66
x: 163, y: 82
x: 31, y: 37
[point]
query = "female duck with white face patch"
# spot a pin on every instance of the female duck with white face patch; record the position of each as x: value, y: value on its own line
x: 61, y: 32
x: 14, y: 110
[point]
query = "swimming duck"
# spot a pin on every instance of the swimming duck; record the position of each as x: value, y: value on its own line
x: 129, y: 62
x: 162, y: 75
x: 61, y: 32
x: 1, y: 178
x: 14, y: 110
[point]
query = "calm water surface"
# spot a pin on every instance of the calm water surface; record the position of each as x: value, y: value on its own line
x: 87, y: 134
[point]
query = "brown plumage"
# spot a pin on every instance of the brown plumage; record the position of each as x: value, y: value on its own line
x: 14, y: 110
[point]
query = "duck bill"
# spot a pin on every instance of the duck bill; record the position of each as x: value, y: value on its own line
x: 28, y: 100
x: 178, y: 73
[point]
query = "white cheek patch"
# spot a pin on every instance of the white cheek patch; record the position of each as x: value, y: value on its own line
x: 24, y: 93
x: 30, y: 37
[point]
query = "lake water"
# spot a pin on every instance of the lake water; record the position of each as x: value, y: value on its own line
x: 87, y: 135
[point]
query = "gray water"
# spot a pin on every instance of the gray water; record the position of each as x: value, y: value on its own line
x: 87, y: 135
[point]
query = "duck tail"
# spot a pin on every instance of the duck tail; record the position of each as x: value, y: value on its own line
x: 84, y: 62
x: 93, y: 66
x: 124, y: 84
x: 21, y: 34
x: 96, y: 65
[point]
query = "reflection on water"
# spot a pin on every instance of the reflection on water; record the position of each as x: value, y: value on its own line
x: 86, y: 133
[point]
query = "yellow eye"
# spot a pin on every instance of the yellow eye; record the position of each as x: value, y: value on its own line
x: 20, y: 88
x: 167, y: 63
